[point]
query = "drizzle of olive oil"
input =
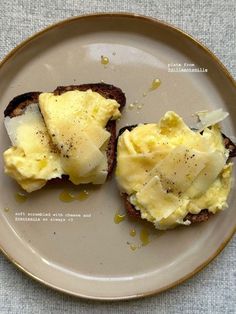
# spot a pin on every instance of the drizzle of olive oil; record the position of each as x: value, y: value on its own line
x: 6, y: 209
x: 104, y: 60
x: 119, y: 218
x: 131, y: 106
x: 132, y: 233
x: 66, y: 196
x: 144, y: 236
x: 140, y: 106
x: 133, y: 247
x: 82, y: 195
x: 20, y: 197
x: 155, y: 84
x: 135, y: 105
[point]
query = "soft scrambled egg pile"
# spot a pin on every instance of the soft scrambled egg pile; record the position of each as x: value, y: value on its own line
x: 67, y: 136
x: 168, y: 170
x: 76, y: 123
x: 32, y: 160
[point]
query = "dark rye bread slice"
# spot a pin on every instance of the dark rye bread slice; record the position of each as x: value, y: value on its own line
x: 204, y: 214
x: 18, y: 104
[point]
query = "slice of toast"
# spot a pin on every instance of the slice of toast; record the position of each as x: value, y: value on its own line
x: 18, y: 104
x: 204, y: 214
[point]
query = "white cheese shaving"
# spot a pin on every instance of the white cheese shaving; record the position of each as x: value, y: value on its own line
x: 208, y: 118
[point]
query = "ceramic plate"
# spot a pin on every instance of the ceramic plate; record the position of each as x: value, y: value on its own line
x: 76, y: 247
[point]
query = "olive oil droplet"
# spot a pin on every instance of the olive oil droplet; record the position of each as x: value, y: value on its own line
x: 155, y: 84
x: 81, y: 196
x: 132, y: 232
x: 144, y: 236
x: 20, y: 197
x: 131, y: 106
x: 133, y: 247
x: 118, y: 218
x: 140, y: 106
x: 66, y: 196
x: 6, y: 209
x: 104, y: 60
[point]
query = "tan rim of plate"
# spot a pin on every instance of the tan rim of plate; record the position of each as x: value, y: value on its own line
x: 24, y: 43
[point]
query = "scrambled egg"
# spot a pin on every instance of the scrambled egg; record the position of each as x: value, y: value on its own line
x: 32, y: 160
x: 67, y: 137
x: 168, y: 170
x: 76, y: 123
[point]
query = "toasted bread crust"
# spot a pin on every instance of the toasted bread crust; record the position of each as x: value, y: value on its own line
x: 230, y: 146
x: 204, y: 214
x: 111, y: 147
x: 18, y: 104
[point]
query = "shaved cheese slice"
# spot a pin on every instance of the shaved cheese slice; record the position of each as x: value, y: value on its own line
x: 130, y: 178
x: 97, y: 134
x: 208, y: 118
x: 207, y: 176
x: 158, y: 202
x: 81, y: 159
x: 98, y: 175
x: 31, y: 117
x: 179, y: 168
x: 74, y: 136
x: 101, y: 173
